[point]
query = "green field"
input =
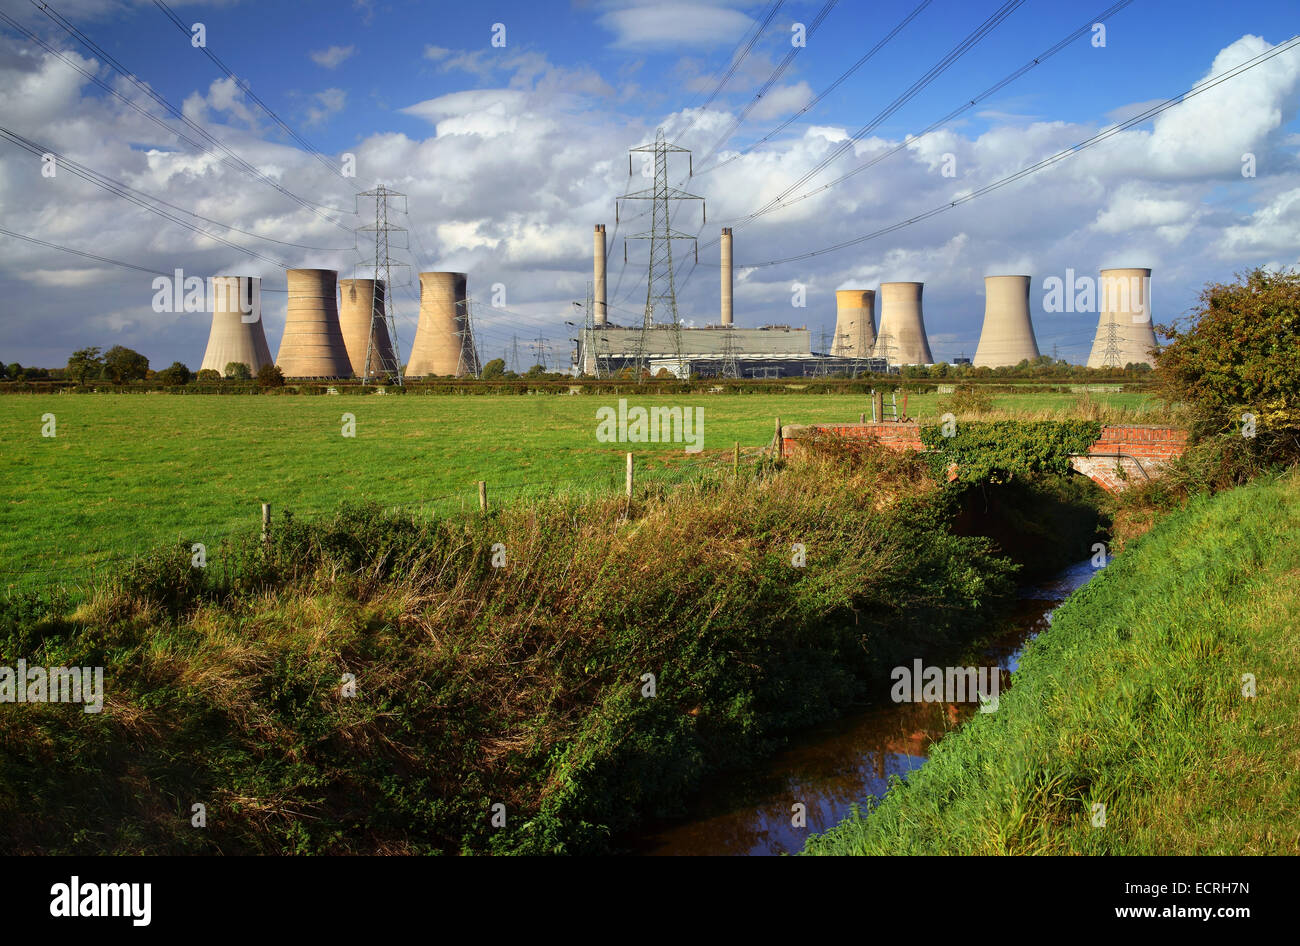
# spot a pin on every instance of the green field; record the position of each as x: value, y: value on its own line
x: 125, y: 473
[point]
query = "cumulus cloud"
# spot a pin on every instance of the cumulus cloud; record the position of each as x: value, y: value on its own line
x: 332, y: 57
x: 326, y: 103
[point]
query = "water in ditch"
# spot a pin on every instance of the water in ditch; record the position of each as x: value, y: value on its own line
x: 843, y: 762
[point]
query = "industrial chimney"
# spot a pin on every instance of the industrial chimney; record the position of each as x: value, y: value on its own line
x: 602, y: 310
x: 855, y: 323
x: 360, y: 301
x: 312, y: 346
x: 1124, y: 331
x: 726, y: 276
x: 442, y: 343
x: 902, y: 337
x: 1008, y: 334
x: 233, y: 339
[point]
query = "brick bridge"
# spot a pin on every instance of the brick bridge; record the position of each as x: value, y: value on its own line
x: 1140, y: 452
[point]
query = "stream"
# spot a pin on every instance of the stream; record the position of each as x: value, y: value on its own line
x: 842, y: 762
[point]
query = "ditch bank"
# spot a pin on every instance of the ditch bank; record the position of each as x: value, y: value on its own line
x: 1155, y: 716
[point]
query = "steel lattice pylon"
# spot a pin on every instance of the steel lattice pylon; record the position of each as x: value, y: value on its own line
x: 383, y: 265
x: 661, y: 291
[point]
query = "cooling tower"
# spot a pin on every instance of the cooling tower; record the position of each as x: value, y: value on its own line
x: 902, y: 326
x: 726, y: 276
x: 1008, y: 334
x: 357, y: 300
x: 312, y: 346
x: 855, y: 323
x: 602, y: 310
x: 1124, y: 332
x: 231, y: 338
x: 442, y: 343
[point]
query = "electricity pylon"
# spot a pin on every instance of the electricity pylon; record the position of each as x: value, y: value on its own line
x: 383, y: 263
x: 1110, y: 358
x: 661, y: 291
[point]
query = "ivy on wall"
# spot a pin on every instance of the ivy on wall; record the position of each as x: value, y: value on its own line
x: 998, y: 451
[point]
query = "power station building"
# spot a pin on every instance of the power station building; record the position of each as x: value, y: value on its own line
x: 719, y: 350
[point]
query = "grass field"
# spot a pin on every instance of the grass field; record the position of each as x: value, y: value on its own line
x: 127, y: 472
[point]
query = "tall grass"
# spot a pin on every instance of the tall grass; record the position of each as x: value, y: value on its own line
x: 1133, y: 700
x: 521, y: 685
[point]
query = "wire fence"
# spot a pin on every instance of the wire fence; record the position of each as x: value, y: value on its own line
x: 93, y: 570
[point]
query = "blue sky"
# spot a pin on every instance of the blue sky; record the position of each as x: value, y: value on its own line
x: 511, y: 154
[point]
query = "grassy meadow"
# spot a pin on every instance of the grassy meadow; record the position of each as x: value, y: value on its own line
x: 127, y: 472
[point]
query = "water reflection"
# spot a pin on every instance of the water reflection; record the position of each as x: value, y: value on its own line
x: 844, y: 762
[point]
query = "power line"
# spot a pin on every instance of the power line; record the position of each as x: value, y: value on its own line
x: 744, y: 51
x: 68, y: 249
x: 184, y: 28
x: 1059, y: 156
x: 82, y: 170
x: 829, y: 89
x: 991, y: 90
x: 913, y: 90
x: 126, y: 193
x: 772, y: 79
x: 90, y: 44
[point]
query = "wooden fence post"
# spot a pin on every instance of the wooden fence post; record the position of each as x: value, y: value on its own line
x: 629, y: 476
x: 482, y: 496
x: 780, y: 447
x: 735, y: 465
x: 266, y: 525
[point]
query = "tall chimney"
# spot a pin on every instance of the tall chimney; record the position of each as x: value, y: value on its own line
x: 1007, y: 337
x: 902, y: 336
x: 602, y: 311
x: 855, y: 323
x: 1124, y: 331
x: 726, y: 276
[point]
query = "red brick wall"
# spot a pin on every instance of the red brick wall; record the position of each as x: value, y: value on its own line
x: 906, y: 436
x: 1151, y: 447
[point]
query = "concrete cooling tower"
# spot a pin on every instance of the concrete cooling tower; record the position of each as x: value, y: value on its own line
x: 312, y: 346
x: 902, y: 337
x: 442, y: 345
x: 855, y: 323
x: 358, y: 299
x: 600, y: 253
x: 1124, y: 332
x: 726, y: 276
x: 1008, y: 334
x: 231, y: 338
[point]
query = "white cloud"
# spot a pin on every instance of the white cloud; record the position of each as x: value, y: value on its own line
x: 331, y: 58
x: 674, y: 25
x: 782, y: 101
x: 328, y: 102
